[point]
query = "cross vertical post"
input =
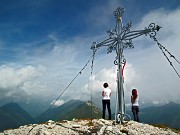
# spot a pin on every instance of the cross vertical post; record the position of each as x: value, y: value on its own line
x: 119, y: 50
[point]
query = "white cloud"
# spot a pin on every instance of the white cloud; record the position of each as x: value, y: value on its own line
x: 58, y: 102
x: 160, y: 102
x: 12, y: 77
x: 13, y: 80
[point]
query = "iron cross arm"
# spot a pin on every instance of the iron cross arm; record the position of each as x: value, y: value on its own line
x: 151, y: 30
x: 107, y: 42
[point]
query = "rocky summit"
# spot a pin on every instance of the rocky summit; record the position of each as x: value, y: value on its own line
x: 89, y: 127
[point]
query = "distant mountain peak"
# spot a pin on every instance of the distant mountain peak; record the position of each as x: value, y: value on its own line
x: 71, y: 109
x: 13, y: 116
x: 172, y: 103
x: 89, y: 103
x: 11, y: 104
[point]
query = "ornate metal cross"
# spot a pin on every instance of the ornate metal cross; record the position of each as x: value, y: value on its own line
x: 119, y: 39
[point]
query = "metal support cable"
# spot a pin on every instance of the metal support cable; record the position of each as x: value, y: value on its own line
x: 171, y: 54
x: 176, y: 60
x: 163, y: 49
x: 92, y: 64
x: 71, y: 82
x: 92, y: 57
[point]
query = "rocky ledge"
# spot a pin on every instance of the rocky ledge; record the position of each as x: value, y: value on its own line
x: 89, y: 127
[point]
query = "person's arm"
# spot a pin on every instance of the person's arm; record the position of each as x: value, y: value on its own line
x: 132, y: 100
x: 110, y: 94
x: 103, y: 93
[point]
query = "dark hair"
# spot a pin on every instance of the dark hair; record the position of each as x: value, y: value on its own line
x: 105, y: 85
x: 134, y: 94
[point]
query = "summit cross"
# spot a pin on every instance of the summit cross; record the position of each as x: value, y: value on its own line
x: 119, y: 39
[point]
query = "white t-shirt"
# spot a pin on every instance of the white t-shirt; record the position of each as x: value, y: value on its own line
x: 107, y: 92
x: 136, y: 102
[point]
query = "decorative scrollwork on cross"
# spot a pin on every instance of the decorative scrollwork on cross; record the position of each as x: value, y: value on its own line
x: 152, y: 32
x: 126, y: 29
x: 128, y: 44
x: 152, y: 29
x: 112, y: 34
x: 111, y: 47
x: 118, y: 12
x: 116, y: 61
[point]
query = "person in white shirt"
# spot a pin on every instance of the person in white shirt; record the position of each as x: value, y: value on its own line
x: 135, y: 104
x: 106, y: 94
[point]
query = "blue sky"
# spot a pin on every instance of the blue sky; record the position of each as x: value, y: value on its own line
x: 25, y: 22
x: 45, y: 43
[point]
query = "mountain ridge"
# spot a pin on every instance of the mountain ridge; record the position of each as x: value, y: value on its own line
x: 13, y: 116
x: 167, y: 115
x: 69, y: 110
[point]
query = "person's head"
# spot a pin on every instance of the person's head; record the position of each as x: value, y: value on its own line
x: 134, y: 92
x: 105, y: 85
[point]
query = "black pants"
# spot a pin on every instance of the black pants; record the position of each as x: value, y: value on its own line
x: 104, y: 103
x: 135, y: 110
